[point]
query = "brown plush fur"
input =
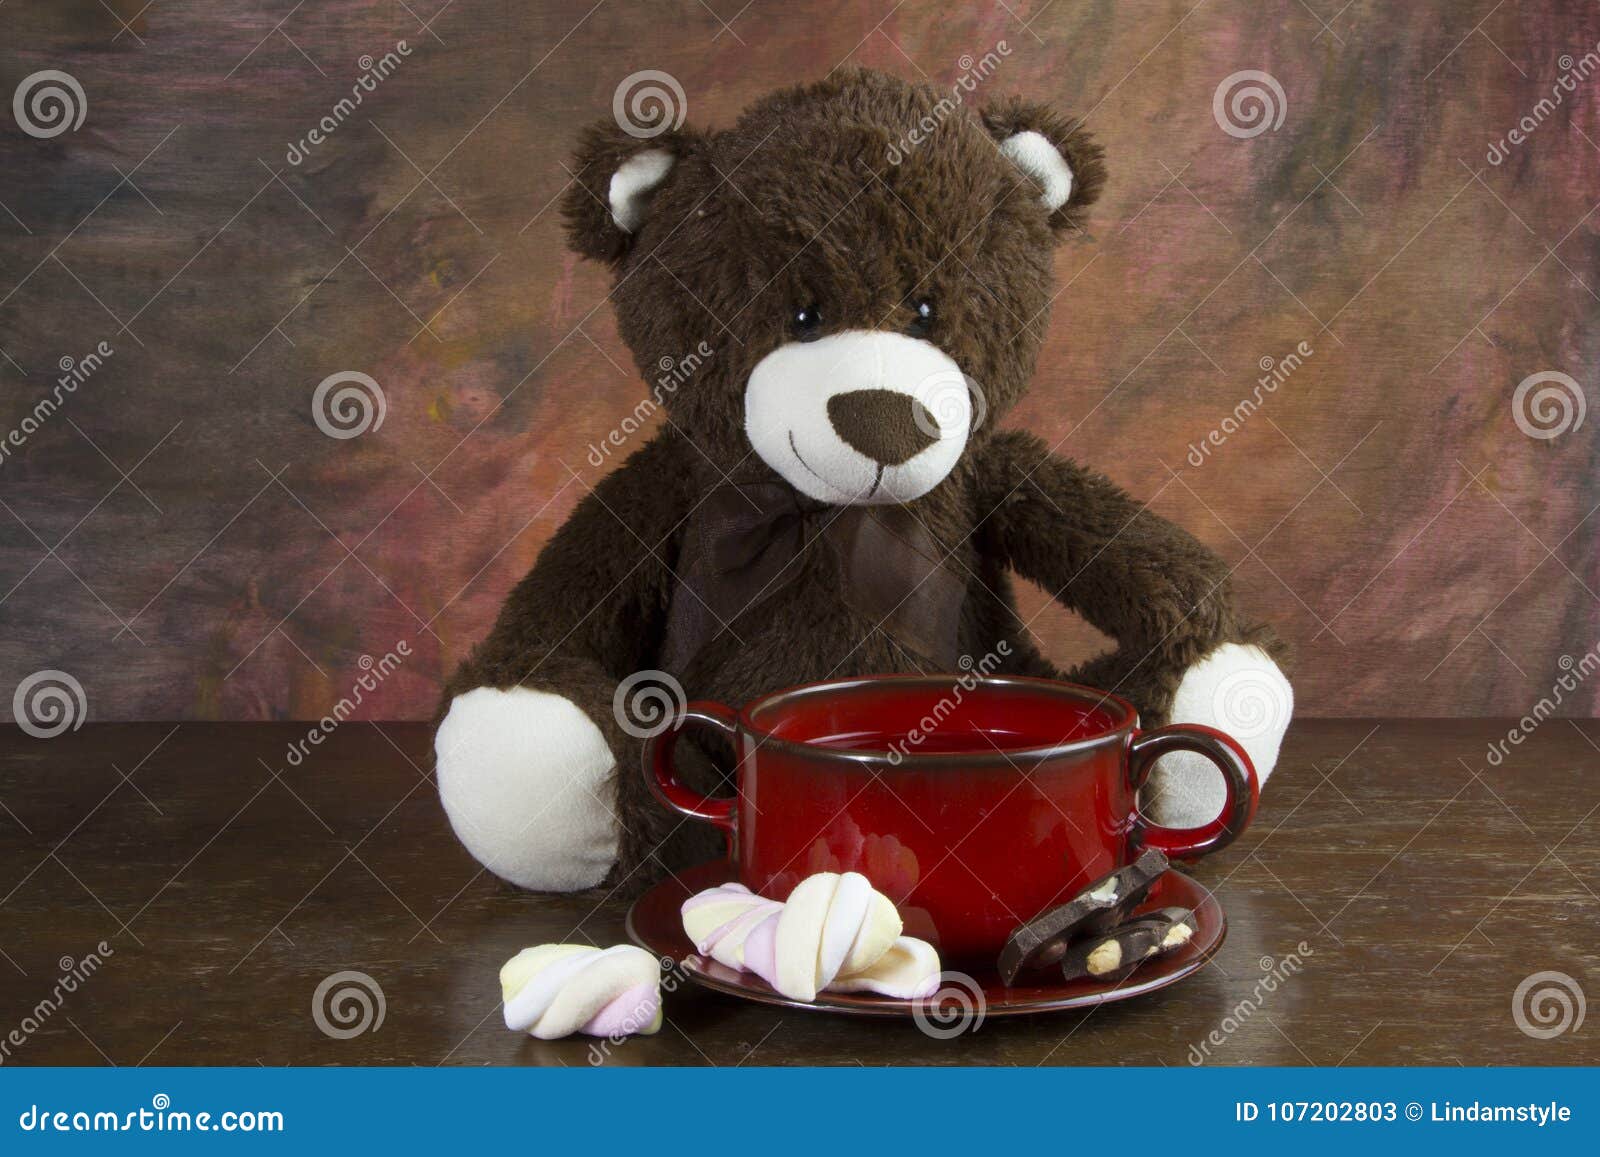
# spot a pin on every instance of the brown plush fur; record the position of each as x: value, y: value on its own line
x: 795, y: 205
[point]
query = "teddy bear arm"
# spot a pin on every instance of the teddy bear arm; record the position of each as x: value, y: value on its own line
x: 600, y: 587
x: 1183, y: 654
x: 1163, y: 596
x: 528, y: 742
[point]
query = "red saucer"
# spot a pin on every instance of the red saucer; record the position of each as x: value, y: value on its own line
x: 654, y: 924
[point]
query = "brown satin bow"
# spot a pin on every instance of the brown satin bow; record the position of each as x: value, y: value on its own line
x: 746, y: 543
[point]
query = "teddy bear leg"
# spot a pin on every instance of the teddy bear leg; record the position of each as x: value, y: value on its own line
x: 527, y: 779
x: 1239, y: 690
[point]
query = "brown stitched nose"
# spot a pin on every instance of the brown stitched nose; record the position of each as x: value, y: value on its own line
x: 887, y: 426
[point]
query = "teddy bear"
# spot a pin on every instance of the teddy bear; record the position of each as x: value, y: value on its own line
x: 857, y: 275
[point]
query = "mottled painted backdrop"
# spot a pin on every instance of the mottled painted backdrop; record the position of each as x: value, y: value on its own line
x: 178, y: 534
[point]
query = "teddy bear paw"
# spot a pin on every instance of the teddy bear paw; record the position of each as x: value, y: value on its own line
x: 525, y: 777
x: 1239, y: 690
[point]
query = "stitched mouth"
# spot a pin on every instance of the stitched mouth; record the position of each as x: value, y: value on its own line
x: 800, y: 458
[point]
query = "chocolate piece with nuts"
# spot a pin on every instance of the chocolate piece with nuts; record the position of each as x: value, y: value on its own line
x: 1181, y: 927
x: 1104, y: 904
x: 1114, y: 955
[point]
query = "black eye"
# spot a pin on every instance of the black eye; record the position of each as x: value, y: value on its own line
x: 922, y: 323
x: 806, y: 323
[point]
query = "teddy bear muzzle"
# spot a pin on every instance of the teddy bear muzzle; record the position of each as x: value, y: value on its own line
x: 860, y: 417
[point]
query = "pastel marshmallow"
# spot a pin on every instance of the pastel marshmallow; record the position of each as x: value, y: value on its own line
x: 835, y: 932
x: 719, y: 920
x: 909, y: 971
x: 554, y: 990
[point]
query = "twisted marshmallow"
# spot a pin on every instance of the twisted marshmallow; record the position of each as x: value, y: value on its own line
x: 719, y: 920
x: 555, y: 990
x: 834, y: 932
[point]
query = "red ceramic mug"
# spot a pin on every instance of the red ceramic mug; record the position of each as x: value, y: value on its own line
x: 973, y: 804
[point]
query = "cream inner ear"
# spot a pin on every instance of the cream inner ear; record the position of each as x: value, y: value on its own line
x: 1034, y: 154
x: 633, y: 182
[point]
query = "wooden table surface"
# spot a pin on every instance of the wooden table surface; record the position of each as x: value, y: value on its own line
x: 225, y: 885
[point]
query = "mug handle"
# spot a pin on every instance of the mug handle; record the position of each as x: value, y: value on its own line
x: 1238, y: 774
x: 663, y: 777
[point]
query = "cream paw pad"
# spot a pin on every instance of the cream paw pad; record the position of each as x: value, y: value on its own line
x: 555, y: 990
x: 834, y: 932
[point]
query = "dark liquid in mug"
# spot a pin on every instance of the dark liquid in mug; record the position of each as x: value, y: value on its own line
x: 944, y: 741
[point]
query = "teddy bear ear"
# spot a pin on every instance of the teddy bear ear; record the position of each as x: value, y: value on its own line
x: 1055, y: 152
x: 615, y: 176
